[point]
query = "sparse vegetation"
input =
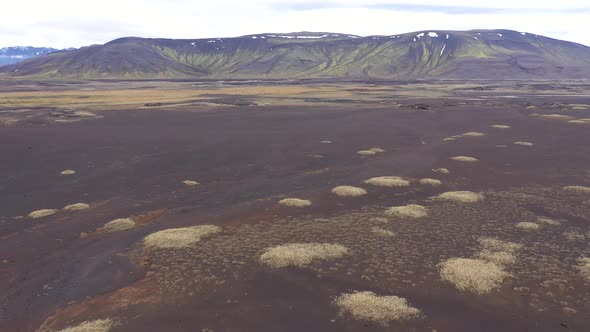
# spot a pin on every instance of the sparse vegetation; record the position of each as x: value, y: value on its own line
x: 76, y: 207
x: 441, y: 170
x: 411, y: 211
x: 191, y: 183
x: 382, y: 232
x: 460, y: 196
x: 527, y: 225
x: 584, y: 267
x: 117, y: 225
x: 100, y: 325
x: 368, y: 306
x: 431, y: 182
x: 548, y: 221
x: 349, y: 191
x: 41, y: 213
x: 179, y: 237
x: 472, y: 275
x: 472, y: 134
x: 295, y: 202
x: 465, y: 159
x: 578, y: 189
x: 388, y: 181
x: 524, y: 143
x: 301, y: 254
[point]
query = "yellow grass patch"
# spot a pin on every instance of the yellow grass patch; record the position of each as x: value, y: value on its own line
x: 388, y: 181
x: 295, y: 202
x: 349, y: 191
x: 527, y: 225
x: 68, y: 172
x: 431, y: 182
x: 472, y: 275
x: 460, y: 196
x: 368, y: 306
x: 191, y: 183
x: 472, y: 134
x: 382, y: 232
x: 41, y: 213
x: 523, y: 143
x: 441, y: 170
x: 584, y: 267
x: 100, y: 325
x: 578, y: 189
x: 465, y: 159
x: 179, y: 237
x: 117, y: 225
x: 301, y: 254
x: 76, y: 207
x: 412, y: 211
x: 498, y: 126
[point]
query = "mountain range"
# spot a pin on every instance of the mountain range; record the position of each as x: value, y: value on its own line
x: 10, y: 55
x: 473, y: 54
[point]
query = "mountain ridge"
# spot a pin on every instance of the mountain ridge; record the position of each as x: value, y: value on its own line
x: 472, y: 54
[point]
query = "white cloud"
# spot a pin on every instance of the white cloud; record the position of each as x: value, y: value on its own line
x: 64, y: 23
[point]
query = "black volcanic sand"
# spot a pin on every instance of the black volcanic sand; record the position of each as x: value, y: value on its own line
x: 59, y: 270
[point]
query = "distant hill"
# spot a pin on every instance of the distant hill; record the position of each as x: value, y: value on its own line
x: 474, y: 54
x: 10, y: 55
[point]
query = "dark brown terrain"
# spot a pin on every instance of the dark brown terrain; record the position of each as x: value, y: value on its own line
x: 253, y: 143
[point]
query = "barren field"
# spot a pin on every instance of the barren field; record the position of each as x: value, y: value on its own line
x: 294, y: 206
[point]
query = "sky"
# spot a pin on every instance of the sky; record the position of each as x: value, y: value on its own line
x: 75, y: 23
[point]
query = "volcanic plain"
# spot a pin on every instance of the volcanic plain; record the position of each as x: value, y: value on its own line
x: 314, y: 205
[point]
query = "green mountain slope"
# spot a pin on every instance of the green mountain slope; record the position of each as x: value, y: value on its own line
x: 475, y: 54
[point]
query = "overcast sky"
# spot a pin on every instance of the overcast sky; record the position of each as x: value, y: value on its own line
x: 74, y: 23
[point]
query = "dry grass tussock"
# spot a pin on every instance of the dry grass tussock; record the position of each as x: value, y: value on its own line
x: 460, y: 196
x: 370, y: 307
x: 179, y: 237
x: 412, y: 211
x: 578, y: 189
x: 584, y: 267
x: 528, y: 226
x: 41, y: 213
x: 366, y: 152
x: 498, y: 251
x: 548, y: 221
x: 432, y: 182
x: 556, y: 116
x: 473, y: 275
x: 498, y: 126
x: 523, y: 143
x: 472, y: 134
x: 68, y: 172
x: 382, y: 232
x: 100, y: 325
x: 117, y: 225
x: 349, y: 191
x: 295, y: 202
x: 388, y: 181
x: 301, y: 254
x: 465, y: 159
x: 191, y: 183
x: 441, y: 170
x: 76, y: 207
